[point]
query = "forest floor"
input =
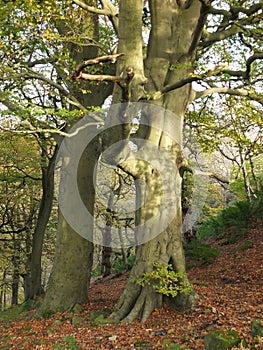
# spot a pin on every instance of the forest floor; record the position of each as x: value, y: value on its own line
x: 231, y: 296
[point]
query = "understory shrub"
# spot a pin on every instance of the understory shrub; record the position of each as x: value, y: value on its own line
x: 201, y: 252
x: 233, y: 219
x: 165, y: 280
x: 121, y: 265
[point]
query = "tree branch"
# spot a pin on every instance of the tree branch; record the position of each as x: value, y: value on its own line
x: 93, y: 61
x: 92, y: 9
x: 99, y: 77
x: 108, y: 10
x: 158, y: 94
x: 41, y: 61
x: 113, y: 17
x: 9, y: 104
x: 251, y: 59
x: 235, y: 92
x: 30, y: 74
x: 218, y: 178
x: 216, y: 71
x: 199, y: 28
x: 230, y: 20
x: 51, y: 131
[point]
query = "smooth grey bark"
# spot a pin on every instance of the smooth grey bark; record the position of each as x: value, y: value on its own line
x: 173, y: 39
x: 69, y: 280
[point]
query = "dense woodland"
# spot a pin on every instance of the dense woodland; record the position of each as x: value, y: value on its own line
x: 150, y: 113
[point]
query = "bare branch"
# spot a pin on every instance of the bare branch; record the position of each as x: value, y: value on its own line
x: 92, y: 9
x: 99, y: 77
x: 108, y: 10
x: 113, y: 17
x: 235, y: 92
x: 230, y: 24
x: 93, y: 61
x: 41, y: 61
x: 30, y: 74
x: 9, y: 104
x: 174, y: 86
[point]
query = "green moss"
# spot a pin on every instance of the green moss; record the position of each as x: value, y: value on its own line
x: 221, y: 340
x: 257, y: 328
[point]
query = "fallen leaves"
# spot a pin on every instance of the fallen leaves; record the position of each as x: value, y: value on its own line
x: 230, y: 293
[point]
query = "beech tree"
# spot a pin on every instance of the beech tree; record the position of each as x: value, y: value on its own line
x: 156, y: 66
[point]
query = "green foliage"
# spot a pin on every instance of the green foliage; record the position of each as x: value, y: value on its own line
x: 172, y: 346
x: 120, y: 265
x: 257, y: 205
x: 142, y: 344
x: 247, y: 244
x: 220, y: 340
x: 97, y: 271
x: 27, y: 305
x: 257, y: 328
x: 101, y: 317
x: 230, y: 224
x: 71, y: 344
x: 165, y: 280
x: 11, y: 314
x: 201, y: 252
x: 234, y: 219
x: 187, y: 190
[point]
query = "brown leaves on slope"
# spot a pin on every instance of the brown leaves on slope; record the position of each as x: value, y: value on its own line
x: 230, y: 293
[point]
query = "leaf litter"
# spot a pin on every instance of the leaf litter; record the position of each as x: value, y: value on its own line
x: 230, y: 297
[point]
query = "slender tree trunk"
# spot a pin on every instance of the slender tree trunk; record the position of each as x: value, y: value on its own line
x: 26, y: 276
x: 107, y: 250
x: 15, y: 279
x: 35, y: 286
x: 247, y: 185
x: 3, y: 291
x: 253, y: 173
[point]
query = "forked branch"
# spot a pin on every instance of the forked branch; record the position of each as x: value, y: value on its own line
x: 79, y: 74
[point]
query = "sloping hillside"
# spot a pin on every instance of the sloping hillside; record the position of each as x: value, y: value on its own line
x: 230, y: 290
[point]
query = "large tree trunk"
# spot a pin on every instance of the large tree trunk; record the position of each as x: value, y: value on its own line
x: 176, y: 29
x: 69, y: 280
x: 68, y: 284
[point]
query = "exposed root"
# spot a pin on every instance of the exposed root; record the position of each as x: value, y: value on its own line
x: 140, y: 302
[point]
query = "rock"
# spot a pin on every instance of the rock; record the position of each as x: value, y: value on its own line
x: 113, y: 338
x: 221, y: 340
x: 257, y: 328
x: 98, y: 318
x: 160, y: 332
